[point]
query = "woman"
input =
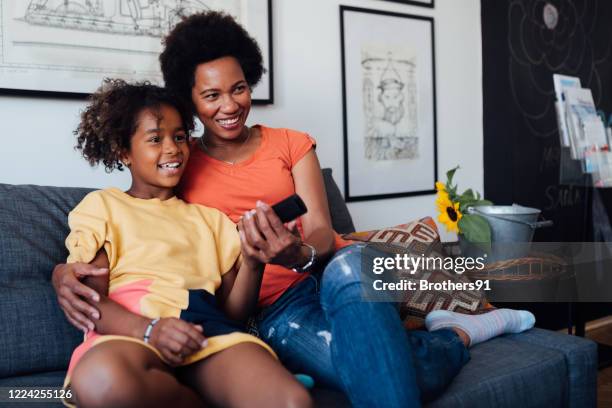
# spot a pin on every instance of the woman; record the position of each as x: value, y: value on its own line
x: 316, y: 322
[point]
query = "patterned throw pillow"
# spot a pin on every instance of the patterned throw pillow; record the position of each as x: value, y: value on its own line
x: 421, y: 238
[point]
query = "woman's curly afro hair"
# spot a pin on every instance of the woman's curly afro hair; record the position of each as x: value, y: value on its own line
x: 205, y: 37
x: 110, y: 119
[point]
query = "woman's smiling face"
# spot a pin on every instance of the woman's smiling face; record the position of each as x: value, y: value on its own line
x: 221, y: 97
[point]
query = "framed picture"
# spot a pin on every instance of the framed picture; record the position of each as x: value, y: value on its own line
x: 65, y: 48
x: 389, y: 104
x: 424, y: 3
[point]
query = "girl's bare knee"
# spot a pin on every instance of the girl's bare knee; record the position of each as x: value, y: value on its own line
x: 106, y: 384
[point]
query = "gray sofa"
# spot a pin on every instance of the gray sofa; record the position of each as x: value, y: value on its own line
x: 538, y: 368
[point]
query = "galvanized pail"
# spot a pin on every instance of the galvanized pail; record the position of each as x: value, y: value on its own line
x: 512, y: 229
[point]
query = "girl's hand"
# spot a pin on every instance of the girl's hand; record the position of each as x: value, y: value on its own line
x: 70, y: 291
x: 249, y: 253
x: 267, y: 239
x: 176, y: 339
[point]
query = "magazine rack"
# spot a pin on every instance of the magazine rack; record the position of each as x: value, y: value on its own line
x: 571, y: 171
x: 594, y: 171
x: 598, y: 212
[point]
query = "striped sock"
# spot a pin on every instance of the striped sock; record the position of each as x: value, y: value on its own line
x: 482, y: 327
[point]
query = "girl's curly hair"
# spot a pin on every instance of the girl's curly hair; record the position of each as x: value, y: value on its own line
x: 110, y: 119
x: 205, y: 37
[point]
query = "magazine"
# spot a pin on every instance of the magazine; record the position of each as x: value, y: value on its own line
x: 585, y: 128
x: 561, y: 83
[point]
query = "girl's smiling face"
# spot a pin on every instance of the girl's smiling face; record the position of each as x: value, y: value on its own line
x: 221, y: 97
x: 158, y: 153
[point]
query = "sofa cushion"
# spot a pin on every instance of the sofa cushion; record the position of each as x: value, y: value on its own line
x: 35, y: 333
x: 580, y: 357
x: 341, y: 218
x: 33, y: 227
x: 504, y: 372
x: 49, y: 379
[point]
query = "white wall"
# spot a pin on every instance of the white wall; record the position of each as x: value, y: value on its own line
x: 36, y: 133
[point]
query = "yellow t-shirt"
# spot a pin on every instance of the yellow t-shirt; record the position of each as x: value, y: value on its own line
x: 161, y: 249
x: 166, y: 260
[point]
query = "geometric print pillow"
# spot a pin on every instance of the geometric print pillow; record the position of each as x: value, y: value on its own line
x: 421, y: 238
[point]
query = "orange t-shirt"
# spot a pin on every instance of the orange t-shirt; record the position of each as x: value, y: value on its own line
x: 235, y: 188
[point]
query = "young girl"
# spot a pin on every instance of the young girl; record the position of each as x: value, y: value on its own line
x: 177, y: 273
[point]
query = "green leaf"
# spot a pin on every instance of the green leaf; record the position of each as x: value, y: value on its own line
x: 464, y: 204
x: 468, y: 194
x: 477, y: 195
x: 475, y: 228
x: 449, y: 176
x: 466, y: 197
x: 452, y: 193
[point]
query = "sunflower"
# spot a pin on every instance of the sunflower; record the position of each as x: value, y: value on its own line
x: 449, y: 212
x: 440, y: 186
x: 442, y: 199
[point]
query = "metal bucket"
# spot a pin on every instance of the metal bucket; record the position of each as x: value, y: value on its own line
x: 512, y: 229
x: 511, y: 223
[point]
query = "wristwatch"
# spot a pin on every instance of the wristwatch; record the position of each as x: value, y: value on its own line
x: 311, y: 260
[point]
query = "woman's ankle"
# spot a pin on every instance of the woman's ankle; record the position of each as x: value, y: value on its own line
x: 465, y: 338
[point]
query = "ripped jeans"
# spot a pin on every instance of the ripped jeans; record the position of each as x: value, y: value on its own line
x: 323, y: 328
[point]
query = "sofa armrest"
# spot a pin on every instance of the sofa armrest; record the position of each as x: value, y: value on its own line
x: 580, y: 357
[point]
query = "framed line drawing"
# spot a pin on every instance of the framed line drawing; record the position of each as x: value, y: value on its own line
x: 423, y: 3
x: 64, y: 48
x: 389, y: 104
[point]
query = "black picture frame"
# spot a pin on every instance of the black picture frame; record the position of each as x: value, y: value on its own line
x: 429, y: 4
x: 265, y: 97
x: 351, y: 138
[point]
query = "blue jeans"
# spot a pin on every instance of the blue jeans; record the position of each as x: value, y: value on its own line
x: 323, y: 328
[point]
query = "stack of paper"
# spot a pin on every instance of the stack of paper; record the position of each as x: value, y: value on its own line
x: 562, y: 83
x: 582, y: 129
x: 586, y: 130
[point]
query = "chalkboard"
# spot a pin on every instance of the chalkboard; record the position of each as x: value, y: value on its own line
x: 524, y: 42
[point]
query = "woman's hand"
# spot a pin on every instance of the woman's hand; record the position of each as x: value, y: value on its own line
x: 176, y: 339
x: 71, y: 292
x: 266, y: 239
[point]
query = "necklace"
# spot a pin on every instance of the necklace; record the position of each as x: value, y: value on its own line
x: 205, y: 148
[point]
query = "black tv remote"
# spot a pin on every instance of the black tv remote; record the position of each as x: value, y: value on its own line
x: 290, y: 208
